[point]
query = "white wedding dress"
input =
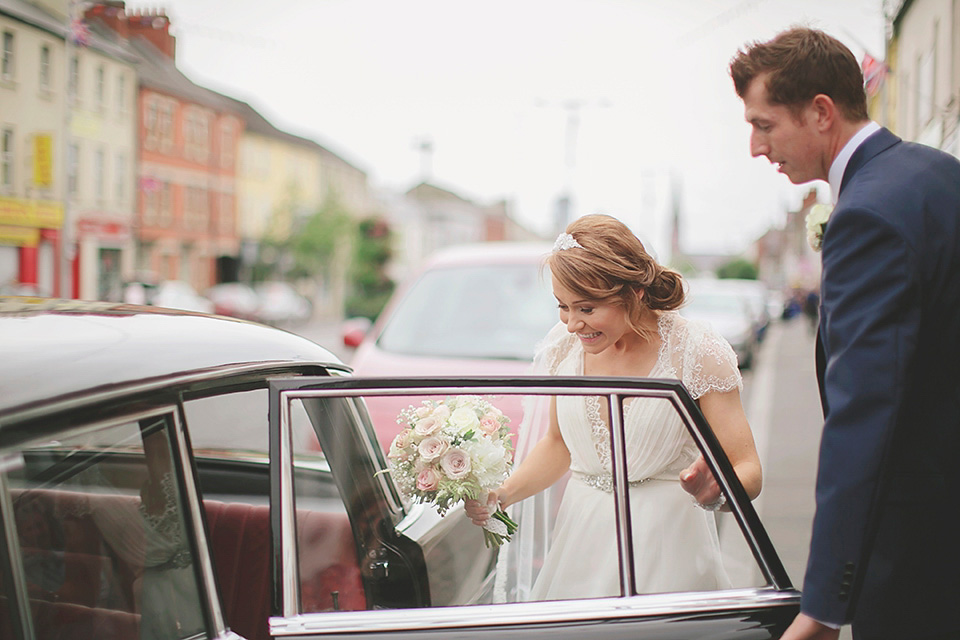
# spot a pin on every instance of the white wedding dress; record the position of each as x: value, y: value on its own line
x: 675, y: 543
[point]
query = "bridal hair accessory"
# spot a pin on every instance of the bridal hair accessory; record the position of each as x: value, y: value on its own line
x: 566, y: 241
x: 816, y: 223
x: 451, y: 451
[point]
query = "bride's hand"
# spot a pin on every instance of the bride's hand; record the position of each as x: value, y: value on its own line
x: 480, y: 512
x: 698, y: 481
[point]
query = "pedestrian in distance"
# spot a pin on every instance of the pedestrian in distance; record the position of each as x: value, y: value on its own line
x: 884, y: 554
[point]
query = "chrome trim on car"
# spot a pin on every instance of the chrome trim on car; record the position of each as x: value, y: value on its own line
x: 15, y: 559
x: 196, y: 514
x: 530, y: 613
x: 290, y: 587
x: 621, y: 494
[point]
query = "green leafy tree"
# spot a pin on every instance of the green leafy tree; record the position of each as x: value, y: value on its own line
x: 317, y: 244
x: 738, y: 268
x: 370, y: 287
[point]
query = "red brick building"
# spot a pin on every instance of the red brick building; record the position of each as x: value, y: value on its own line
x: 185, y: 224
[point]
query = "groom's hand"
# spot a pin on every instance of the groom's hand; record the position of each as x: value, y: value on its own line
x: 480, y: 512
x: 698, y: 481
x: 806, y: 628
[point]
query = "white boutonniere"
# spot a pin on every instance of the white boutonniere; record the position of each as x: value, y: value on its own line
x: 816, y: 223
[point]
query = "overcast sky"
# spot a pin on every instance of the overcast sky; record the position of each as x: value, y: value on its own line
x: 487, y: 82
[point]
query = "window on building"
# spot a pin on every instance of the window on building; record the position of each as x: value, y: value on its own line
x: 121, y: 94
x: 165, y: 125
x: 73, y: 84
x: 120, y: 176
x: 99, y: 171
x: 166, y: 205
x: 7, y: 66
x: 226, y: 144
x: 196, y: 135
x: 101, y: 87
x: 6, y: 159
x: 45, y: 68
x: 73, y: 168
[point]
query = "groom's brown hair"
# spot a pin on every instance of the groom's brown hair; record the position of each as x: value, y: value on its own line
x: 799, y: 64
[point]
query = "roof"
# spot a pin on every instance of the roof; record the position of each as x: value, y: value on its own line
x: 55, y: 348
x: 42, y: 19
x: 159, y: 72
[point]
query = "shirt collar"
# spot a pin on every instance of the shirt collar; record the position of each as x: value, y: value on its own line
x: 839, y: 165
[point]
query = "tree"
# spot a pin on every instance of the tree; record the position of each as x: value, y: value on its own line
x: 370, y: 287
x: 738, y: 268
x: 316, y: 243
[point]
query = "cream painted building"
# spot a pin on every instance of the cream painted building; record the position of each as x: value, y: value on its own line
x: 68, y: 142
x: 923, y: 90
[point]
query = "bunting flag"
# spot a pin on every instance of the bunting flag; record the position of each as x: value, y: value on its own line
x: 79, y: 32
x: 874, y: 73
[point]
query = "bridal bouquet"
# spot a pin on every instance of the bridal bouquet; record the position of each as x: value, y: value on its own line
x: 451, y: 451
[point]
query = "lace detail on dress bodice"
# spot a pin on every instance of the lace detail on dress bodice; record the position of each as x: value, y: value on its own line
x: 657, y: 441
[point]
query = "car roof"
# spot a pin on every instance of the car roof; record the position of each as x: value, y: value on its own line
x: 490, y: 253
x: 55, y: 348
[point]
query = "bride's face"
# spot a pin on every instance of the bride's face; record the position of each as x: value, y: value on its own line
x: 598, y: 325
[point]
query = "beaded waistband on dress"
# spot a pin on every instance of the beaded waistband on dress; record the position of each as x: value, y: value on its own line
x: 603, y: 482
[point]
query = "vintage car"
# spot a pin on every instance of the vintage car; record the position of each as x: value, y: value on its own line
x: 177, y: 475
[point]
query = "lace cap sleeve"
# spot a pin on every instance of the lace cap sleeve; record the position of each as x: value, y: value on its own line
x: 551, y: 351
x: 710, y: 363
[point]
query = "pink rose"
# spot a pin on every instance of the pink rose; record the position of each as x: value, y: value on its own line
x: 428, y: 479
x: 455, y: 463
x: 427, y: 426
x: 422, y: 412
x: 432, y: 448
x: 402, y: 441
x: 489, y: 425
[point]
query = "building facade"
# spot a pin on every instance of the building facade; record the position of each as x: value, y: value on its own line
x: 67, y: 152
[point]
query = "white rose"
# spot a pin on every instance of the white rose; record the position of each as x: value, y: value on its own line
x: 441, y: 413
x: 464, y: 419
x: 816, y: 222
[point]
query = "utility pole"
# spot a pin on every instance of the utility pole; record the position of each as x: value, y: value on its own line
x: 562, y: 212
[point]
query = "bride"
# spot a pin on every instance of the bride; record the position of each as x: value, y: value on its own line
x: 618, y: 318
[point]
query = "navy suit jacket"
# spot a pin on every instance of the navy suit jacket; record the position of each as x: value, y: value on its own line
x: 885, y: 552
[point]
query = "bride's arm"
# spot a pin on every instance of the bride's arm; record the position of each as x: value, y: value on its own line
x: 724, y: 412
x: 546, y: 463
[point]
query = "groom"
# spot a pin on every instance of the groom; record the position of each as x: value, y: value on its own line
x: 885, y: 551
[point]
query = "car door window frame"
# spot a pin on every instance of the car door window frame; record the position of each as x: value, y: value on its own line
x: 284, y: 391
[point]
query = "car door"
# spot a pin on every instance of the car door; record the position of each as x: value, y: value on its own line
x: 418, y: 574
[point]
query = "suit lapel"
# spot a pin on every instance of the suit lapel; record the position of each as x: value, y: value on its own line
x: 873, y: 145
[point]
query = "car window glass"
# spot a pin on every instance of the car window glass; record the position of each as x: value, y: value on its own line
x: 237, y: 421
x: 329, y: 562
x: 566, y: 547
x: 489, y: 311
x: 104, y: 545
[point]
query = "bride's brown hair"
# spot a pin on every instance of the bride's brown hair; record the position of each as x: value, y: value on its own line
x: 611, y: 266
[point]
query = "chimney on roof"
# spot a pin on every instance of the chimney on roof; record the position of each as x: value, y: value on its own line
x: 155, y: 27
x: 111, y: 13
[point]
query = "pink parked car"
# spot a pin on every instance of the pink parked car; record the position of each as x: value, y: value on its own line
x: 473, y: 310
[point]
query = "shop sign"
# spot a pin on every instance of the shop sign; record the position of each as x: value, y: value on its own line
x: 39, y: 214
x: 19, y: 236
x: 43, y: 159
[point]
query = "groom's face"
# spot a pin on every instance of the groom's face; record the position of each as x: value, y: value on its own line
x: 780, y: 135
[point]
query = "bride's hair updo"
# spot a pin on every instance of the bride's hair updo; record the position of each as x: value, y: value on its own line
x: 611, y: 266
